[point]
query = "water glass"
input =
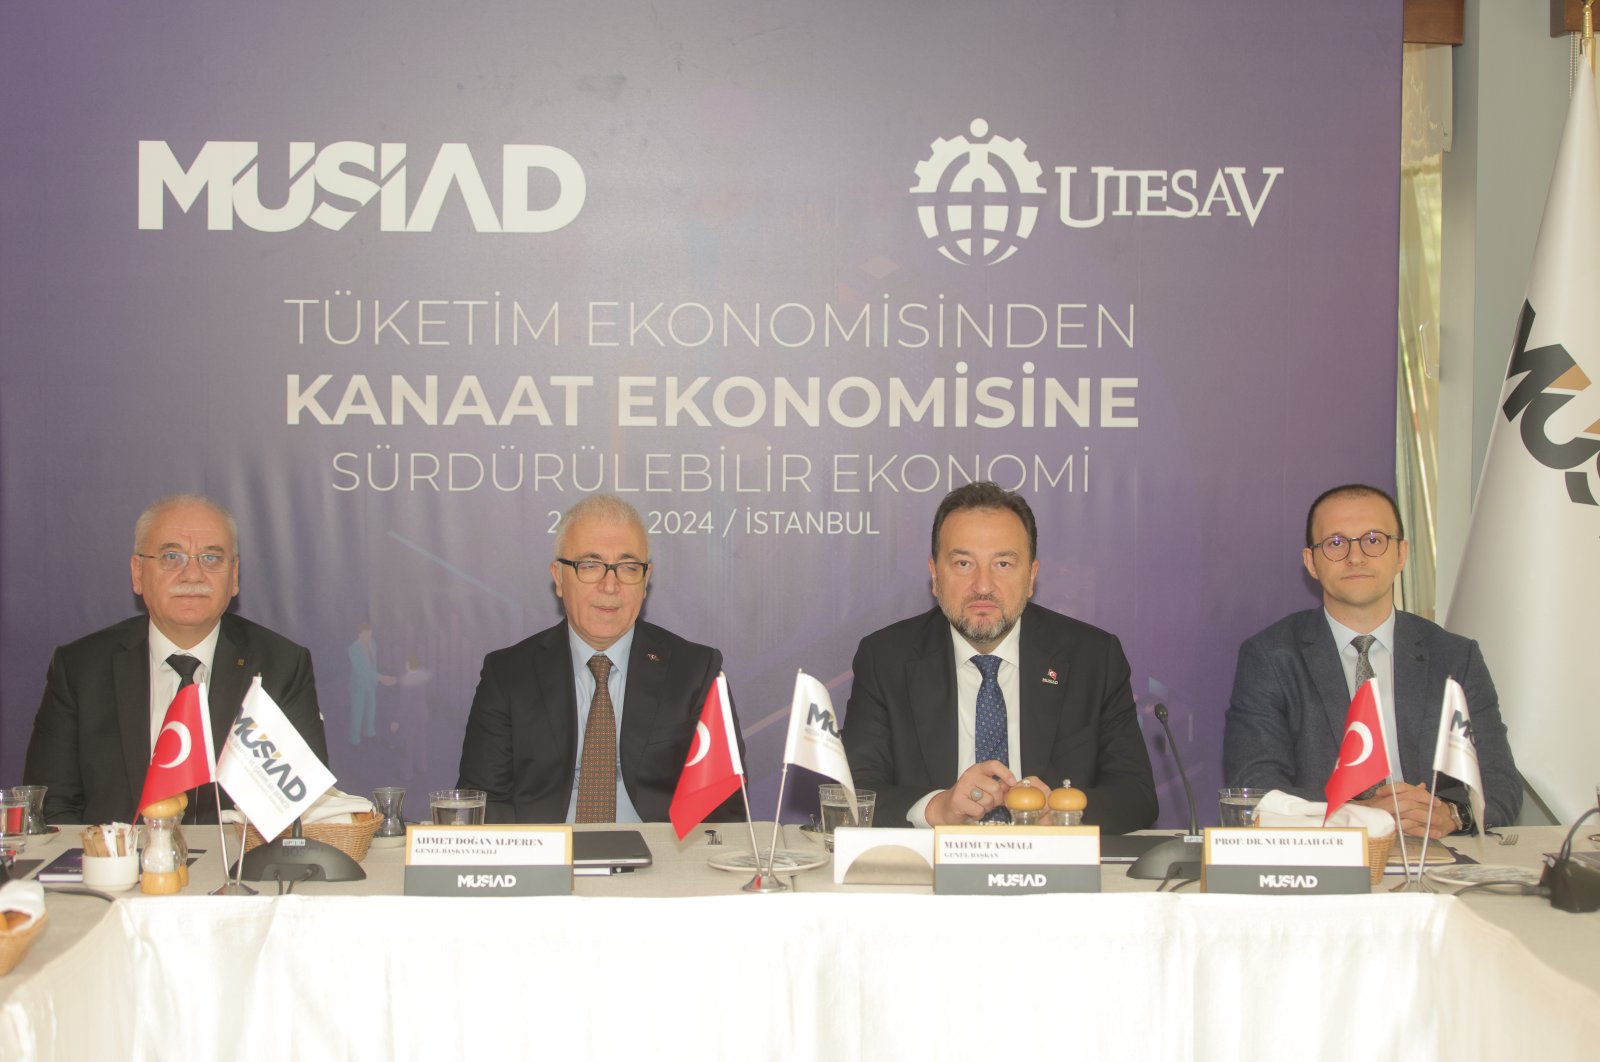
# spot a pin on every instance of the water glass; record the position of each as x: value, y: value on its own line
x: 1239, y: 805
x: 835, y: 801
x: 458, y: 807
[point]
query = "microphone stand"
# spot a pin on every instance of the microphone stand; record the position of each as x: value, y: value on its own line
x: 1179, y: 858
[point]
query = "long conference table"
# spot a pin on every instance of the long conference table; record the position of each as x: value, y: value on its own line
x: 676, y: 961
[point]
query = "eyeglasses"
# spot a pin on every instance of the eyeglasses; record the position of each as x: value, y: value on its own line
x: 629, y: 573
x: 1373, y: 544
x: 176, y: 560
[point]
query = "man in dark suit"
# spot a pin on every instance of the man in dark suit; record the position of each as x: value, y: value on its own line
x: 986, y: 681
x: 106, y: 694
x: 590, y: 720
x: 1295, y: 680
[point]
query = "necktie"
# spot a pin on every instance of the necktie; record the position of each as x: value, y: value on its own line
x: 185, y: 665
x: 1364, y: 672
x: 1363, y: 642
x: 597, y: 772
x: 990, y: 739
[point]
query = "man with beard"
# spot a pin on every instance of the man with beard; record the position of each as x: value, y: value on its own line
x: 106, y: 694
x: 987, y: 681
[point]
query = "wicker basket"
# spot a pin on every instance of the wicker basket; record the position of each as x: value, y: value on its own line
x: 351, y: 838
x: 1378, y: 849
x: 14, y: 943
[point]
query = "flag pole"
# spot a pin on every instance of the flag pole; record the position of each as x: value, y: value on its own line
x: 777, y: 813
x: 767, y: 882
x: 1587, y: 39
x: 1400, y: 833
x: 1427, y: 827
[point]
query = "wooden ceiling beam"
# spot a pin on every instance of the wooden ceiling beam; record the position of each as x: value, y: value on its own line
x: 1435, y: 21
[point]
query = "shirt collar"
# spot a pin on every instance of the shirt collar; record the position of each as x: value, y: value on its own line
x: 1009, y: 649
x: 1383, y: 633
x: 617, y: 652
x: 161, y: 647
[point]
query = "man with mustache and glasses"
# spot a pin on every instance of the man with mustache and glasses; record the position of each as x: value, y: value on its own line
x: 106, y: 695
x: 952, y: 708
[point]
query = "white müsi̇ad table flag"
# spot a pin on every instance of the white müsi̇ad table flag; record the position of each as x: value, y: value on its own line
x: 813, y: 740
x: 267, y: 767
x: 1454, y: 753
x: 1530, y: 572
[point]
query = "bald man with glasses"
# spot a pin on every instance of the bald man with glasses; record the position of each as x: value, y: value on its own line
x: 590, y: 720
x: 1295, y: 680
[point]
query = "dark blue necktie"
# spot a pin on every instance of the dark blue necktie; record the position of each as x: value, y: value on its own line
x: 990, y: 739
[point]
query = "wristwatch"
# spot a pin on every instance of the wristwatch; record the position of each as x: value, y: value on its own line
x: 1461, y: 813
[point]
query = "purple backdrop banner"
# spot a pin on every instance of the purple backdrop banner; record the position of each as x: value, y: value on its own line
x: 400, y: 283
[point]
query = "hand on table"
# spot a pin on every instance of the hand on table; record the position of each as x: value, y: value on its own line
x: 1415, y: 802
x: 989, y: 780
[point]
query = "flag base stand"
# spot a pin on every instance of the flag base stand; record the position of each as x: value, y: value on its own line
x: 765, y: 883
x: 234, y: 888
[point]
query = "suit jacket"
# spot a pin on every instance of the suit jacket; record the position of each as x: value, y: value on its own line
x: 521, y: 745
x: 1286, y: 718
x: 900, y: 723
x: 91, y: 738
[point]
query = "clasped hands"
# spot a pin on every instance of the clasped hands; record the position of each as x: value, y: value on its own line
x: 1415, y: 802
x: 980, y: 789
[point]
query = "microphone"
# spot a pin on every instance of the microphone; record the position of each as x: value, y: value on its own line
x: 1188, y: 794
x: 1178, y: 858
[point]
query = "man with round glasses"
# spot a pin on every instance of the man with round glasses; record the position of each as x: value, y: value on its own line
x: 592, y: 719
x: 1295, y: 680
x: 106, y: 695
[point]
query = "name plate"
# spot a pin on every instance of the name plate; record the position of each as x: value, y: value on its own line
x: 488, y: 860
x: 1016, y: 859
x: 1286, y: 862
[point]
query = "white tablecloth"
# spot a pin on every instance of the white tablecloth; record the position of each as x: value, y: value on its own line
x: 830, y: 975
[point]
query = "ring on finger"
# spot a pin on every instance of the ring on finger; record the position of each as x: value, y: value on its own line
x: 976, y: 796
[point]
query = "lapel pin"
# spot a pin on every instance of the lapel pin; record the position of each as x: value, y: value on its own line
x: 1050, y: 677
x: 653, y: 658
x: 239, y: 662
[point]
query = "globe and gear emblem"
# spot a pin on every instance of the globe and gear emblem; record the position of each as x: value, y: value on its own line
x: 978, y: 199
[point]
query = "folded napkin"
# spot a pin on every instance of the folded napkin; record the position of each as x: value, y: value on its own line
x: 1278, y: 808
x: 332, y: 807
x: 24, y: 896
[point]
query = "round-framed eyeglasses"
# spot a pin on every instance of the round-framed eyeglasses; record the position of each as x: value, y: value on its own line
x: 1373, y: 544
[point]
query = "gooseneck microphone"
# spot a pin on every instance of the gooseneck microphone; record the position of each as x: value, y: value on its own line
x: 1177, y: 859
x: 1188, y: 794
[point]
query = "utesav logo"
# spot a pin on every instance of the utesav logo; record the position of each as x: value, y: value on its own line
x: 328, y: 187
x: 978, y: 199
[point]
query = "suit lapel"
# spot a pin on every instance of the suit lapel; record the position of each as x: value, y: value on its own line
x: 647, y: 671
x: 1410, y: 694
x: 552, y: 675
x: 1321, y: 658
x: 931, y: 678
x: 232, y: 669
x: 130, y: 671
x: 1040, y: 711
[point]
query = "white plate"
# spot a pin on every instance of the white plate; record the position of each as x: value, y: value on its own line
x: 1461, y: 875
x: 787, y: 861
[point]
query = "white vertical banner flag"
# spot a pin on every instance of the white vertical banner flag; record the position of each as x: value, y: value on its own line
x: 1454, y: 753
x: 814, y: 740
x: 1530, y: 572
x: 267, y: 767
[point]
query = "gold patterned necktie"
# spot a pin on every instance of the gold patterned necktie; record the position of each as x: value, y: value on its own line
x: 597, y: 771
